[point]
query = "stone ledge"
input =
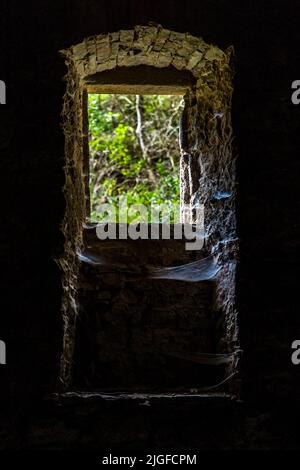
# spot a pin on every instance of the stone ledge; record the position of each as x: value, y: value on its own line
x: 145, y: 399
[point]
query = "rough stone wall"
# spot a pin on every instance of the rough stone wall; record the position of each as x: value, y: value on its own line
x: 207, y: 163
x: 265, y: 36
x: 135, y: 331
x: 74, y: 191
x: 208, y: 178
x: 147, y: 45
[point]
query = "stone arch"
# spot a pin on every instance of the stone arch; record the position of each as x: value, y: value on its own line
x: 207, y: 160
x: 146, y: 45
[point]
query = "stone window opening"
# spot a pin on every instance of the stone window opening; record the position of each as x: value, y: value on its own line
x: 147, y: 172
x: 205, y: 355
x: 143, y: 81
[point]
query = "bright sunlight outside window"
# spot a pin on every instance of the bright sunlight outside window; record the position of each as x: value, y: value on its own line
x: 134, y: 150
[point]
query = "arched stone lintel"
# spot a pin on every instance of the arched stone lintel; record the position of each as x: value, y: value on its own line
x: 148, y: 45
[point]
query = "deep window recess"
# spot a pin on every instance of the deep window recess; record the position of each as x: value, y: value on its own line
x: 128, y: 326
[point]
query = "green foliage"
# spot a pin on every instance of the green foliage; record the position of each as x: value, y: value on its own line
x: 141, y: 163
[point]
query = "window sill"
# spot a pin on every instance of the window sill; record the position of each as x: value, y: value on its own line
x: 214, y: 400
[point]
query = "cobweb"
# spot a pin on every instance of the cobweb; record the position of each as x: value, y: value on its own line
x: 200, y: 270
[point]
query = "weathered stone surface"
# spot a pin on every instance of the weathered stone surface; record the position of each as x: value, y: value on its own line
x: 207, y: 166
x: 194, y: 59
x: 103, y: 49
x: 141, y: 45
x: 126, y: 37
x: 266, y: 129
x: 132, y: 328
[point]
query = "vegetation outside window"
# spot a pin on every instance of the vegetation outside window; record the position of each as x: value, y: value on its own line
x: 134, y: 151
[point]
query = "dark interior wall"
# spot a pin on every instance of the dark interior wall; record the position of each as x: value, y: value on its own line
x: 266, y: 125
x: 206, y: 167
x: 135, y: 332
